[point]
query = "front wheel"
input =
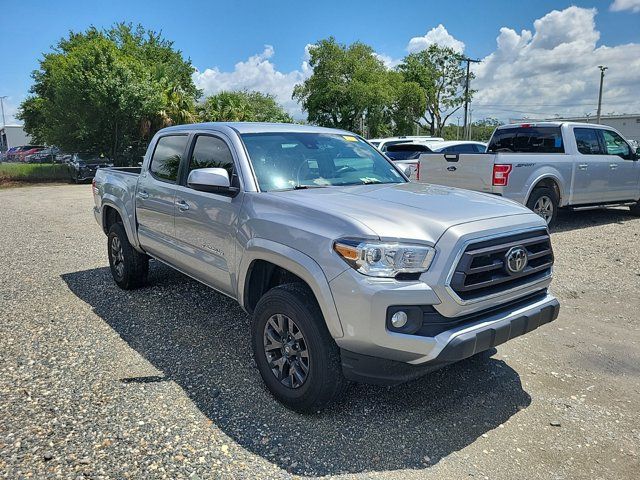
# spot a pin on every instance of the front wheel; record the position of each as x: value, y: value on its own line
x: 544, y: 202
x: 297, y: 358
x: 129, y: 267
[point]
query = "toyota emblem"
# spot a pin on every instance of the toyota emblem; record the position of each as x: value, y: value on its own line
x: 516, y: 259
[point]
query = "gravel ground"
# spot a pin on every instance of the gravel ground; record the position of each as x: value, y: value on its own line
x: 97, y: 383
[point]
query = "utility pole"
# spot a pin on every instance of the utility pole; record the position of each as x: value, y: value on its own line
x: 465, y: 131
x: 602, y: 69
x: 4, y: 124
x: 458, y: 128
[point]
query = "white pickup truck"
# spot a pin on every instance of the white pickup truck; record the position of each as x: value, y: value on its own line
x: 544, y: 166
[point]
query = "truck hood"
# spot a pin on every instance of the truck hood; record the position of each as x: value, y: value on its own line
x: 405, y: 211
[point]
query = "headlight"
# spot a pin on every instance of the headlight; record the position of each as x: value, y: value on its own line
x: 382, y: 259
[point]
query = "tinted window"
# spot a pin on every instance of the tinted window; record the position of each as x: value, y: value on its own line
x: 289, y: 160
x: 615, y: 144
x: 167, y: 156
x: 527, y: 140
x: 406, y: 151
x: 211, y: 152
x: 391, y: 143
x: 587, y: 141
x: 480, y: 148
x: 464, y: 148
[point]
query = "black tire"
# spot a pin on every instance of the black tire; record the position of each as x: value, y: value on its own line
x: 129, y: 267
x: 635, y: 209
x: 543, y: 197
x: 324, y: 382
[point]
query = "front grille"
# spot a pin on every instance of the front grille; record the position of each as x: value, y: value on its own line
x: 482, y: 269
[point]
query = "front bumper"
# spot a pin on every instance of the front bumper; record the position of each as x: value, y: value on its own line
x: 453, y: 345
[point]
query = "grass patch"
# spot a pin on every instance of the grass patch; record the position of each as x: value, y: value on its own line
x: 33, y: 173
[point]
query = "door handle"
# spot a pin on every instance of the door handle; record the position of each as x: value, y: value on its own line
x: 143, y: 194
x: 613, y: 166
x: 182, y: 205
x: 583, y: 166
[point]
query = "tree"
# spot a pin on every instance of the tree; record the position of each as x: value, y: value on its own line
x: 440, y: 73
x: 348, y: 84
x: 481, y: 130
x: 243, y: 106
x: 108, y: 91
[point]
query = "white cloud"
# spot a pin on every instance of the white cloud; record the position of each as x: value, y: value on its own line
x: 388, y: 61
x: 259, y: 73
x: 553, y: 70
x: 439, y: 36
x: 620, y: 5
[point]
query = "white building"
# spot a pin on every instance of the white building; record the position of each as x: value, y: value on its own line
x: 13, y: 136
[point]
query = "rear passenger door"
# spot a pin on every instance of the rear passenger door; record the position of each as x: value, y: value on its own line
x: 155, y: 196
x: 624, y: 172
x: 206, y: 223
x: 590, y: 168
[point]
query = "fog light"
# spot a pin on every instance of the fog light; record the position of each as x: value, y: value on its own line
x: 399, y: 319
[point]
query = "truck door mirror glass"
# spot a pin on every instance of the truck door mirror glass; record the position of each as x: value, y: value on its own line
x: 215, y: 180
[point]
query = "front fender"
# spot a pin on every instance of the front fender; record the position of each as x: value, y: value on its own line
x: 297, y: 263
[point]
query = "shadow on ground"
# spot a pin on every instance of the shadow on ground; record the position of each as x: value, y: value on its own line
x: 199, y: 340
x: 574, y: 220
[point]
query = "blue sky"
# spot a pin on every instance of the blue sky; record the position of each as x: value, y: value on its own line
x: 218, y: 35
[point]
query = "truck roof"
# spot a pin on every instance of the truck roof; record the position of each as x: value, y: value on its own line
x: 254, y: 127
x: 552, y: 124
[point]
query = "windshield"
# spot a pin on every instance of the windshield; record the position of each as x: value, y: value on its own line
x: 406, y: 151
x: 290, y: 160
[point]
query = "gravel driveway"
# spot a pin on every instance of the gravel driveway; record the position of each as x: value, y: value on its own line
x: 96, y: 382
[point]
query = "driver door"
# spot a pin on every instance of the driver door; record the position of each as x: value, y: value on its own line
x: 206, y: 223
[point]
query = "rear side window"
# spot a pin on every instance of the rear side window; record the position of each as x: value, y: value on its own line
x: 527, y: 140
x: 167, y: 156
x: 587, y: 141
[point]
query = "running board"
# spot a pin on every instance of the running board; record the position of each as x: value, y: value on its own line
x: 603, y: 205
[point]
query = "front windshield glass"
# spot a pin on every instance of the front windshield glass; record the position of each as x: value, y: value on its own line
x: 289, y: 160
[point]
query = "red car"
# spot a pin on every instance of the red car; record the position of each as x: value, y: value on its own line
x: 25, y: 150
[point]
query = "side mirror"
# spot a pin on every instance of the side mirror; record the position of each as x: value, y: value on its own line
x: 212, y: 180
x: 408, y: 171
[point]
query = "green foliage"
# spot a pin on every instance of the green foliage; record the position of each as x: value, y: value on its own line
x: 243, y: 106
x: 442, y: 76
x: 481, y: 130
x: 109, y: 91
x: 350, y: 88
x: 25, y: 172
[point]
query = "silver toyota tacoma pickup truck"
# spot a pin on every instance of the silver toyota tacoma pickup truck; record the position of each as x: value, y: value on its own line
x: 349, y: 271
x: 545, y: 166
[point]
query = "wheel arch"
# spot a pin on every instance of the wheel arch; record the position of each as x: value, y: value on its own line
x: 549, y: 180
x: 264, y: 257
x: 111, y: 206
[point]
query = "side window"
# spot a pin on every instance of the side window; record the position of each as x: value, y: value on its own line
x: 211, y: 152
x: 166, y: 158
x: 480, y: 148
x: 615, y: 144
x: 464, y: 148
x: 587, y: 141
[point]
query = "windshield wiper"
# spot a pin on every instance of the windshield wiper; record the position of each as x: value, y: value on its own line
x: 304, y: 187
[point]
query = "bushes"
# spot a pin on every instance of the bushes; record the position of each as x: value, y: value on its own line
x: 33, y: 173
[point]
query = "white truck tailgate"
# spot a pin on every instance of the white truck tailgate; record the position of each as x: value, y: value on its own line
x: 473, y: 171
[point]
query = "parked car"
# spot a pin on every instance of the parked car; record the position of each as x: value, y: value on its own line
x: 407, y: 151
x: 383, y: 143
x: 84, y: 165
x: 545, y: 166
x: 459, y: 146
x: 350, y: 271
x: 46, y: 155
x: 19, y: 153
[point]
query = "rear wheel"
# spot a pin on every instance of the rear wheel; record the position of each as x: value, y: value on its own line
x: 129, y: 267
x: 297, y: 358
x: 544, y: 202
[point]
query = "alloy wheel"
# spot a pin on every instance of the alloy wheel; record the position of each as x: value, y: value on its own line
x: 286, y: 351
x: 117, y: 256
x: 544, y: 208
